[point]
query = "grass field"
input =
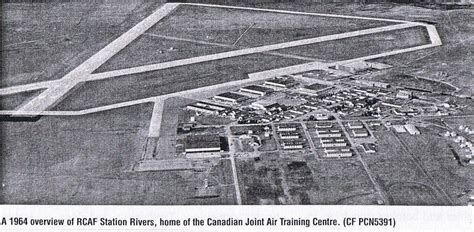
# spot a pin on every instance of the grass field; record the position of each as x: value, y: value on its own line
x: 219, y: 25
x: 10, y: 102
x: 436, y: 158
x: 137, y: 86
x: 261, y: 183
x: 85, y: 160
x: 45, y: 41
x: 337, y: 180
x: 150, y: 50
x: 365, y: 45
x: 398, y: 174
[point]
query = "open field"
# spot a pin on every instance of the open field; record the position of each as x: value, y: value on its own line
x: 85, y: 160
x: 45, y: 41
x: 261, y: 183
x: 433, y: 153
x: 156, y: 83
x: 398, y: 173
x: 220, y: 25
x: 337, y: 181
x: 365, y: 45
x: 447, y: 63
x: 148, y: 49
x: 10, y: 102
x: 274, y: 180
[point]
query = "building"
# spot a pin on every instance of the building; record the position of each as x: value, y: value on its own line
x: 256, y: 90
x: 333, y: 144
x: 229, y: 97
x: 328, y: 135
x: 323, y: 125
x: 202, y: 109
x: 289, y: 135
x: 203, y: 143
x: 360, y: 133
x: 286, y: 127
x: 210, y: 106
x: 338, y: 154
x: 355, y: 125
x: 337, y: 149
x: 369, y: 148
x: 280, y: 83
x: 262, y: 104
x: 403, y: 94
x: 374, y: 84
x: 290, y: 145
x: 313, y: 89
x: 412, y: 129
x: 399, y: 128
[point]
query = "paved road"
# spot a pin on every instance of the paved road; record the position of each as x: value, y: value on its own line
x: 155, y: 123
x: 233, y: 165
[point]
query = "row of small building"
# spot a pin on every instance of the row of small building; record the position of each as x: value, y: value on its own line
x: 256, y: 90
x: 332, y: 140
x: 290, y: 136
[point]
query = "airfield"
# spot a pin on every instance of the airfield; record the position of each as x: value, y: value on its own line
x: 111, y: 119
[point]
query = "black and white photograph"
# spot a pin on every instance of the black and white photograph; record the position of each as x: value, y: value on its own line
x: 237, y: 102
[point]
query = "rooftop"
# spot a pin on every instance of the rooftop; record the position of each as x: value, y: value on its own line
x: 258, y: 88
x: 231, y: 95
x: 203, y: 141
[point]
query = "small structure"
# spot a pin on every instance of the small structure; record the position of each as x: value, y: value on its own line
x: 374, y: 84
x: 338, y: 153
x: 289, y: 135
x: 369, y: 148
x: 210, y: 106
x: 323, y: 125
x: 328, y: 135
x: 403, y: 94
x: 202, y: 109
x: 333, y: 143
x: 291, y: 145
x: 412, y: 129
x: 360, y: 133
x: 399, y: 128
x: 286, y: 127
x: 263, y: 104
x: 355, y: 125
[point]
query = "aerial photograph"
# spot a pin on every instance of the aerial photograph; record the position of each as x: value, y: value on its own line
x: 237, y: 102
